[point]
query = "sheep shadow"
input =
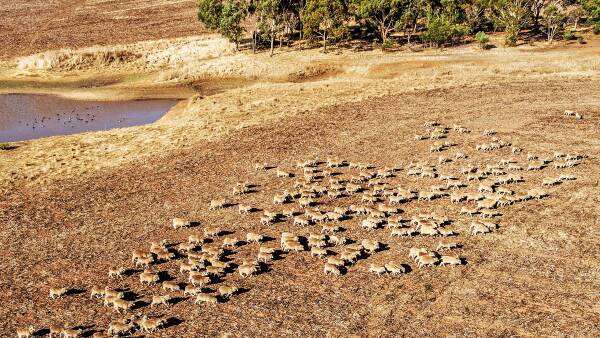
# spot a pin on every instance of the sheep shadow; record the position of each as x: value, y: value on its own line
x: 407, y: 268
x: 172, y: 321
x: 229, y: 205
x: 241, y: 291
x: 279, y: 255
x: 277, y: 219
x: 263, y: 268
x: 226, y: 232
x: 227, y: 252
x: 41, y: 332
x: 130, y: 295
x: 164, y: 276
x: 237, y: 293
x: 177, y: 300
x: 382, y: 247
x: 231, y: 268
x: 130, y: 272
x: 339, y: 230
x: 194, y: 224
x: 138, y: 304
x: 74, y: 292
x: 83, y: 327
x: 267, y: 239
x: 91, y: 333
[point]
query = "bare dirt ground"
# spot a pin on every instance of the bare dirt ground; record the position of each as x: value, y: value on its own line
x: 29, y: 27
x: 537, y: 275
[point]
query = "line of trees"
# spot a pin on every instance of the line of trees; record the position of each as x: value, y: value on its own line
x: 435, y: 22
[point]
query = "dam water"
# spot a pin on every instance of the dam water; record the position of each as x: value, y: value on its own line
x: 32, y: 116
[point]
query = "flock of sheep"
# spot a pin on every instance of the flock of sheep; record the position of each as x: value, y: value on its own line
x: 324, y: 201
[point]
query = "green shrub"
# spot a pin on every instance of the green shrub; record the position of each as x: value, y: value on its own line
x: 568, y: 34
x: 5, y: 146
x: 482, y: 39
x: 596, y: 29
x: 580, y: 40
x: 440, y: 31
x: 388, y: 43
x: 511, y: 38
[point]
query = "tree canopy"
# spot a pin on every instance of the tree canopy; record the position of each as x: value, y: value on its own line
x: 389, y: 22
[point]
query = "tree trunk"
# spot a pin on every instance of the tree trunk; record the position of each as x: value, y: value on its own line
x: 272, y: 42
x: 253, y: 42
x: 324, y: 42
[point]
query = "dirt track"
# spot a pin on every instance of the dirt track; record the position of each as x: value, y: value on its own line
x: 35, y: 26
x: 536, y: 275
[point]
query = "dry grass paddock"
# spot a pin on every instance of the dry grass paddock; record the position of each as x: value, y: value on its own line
x: 225, y: 92
x: 535, y: 275
x: 74, y: 207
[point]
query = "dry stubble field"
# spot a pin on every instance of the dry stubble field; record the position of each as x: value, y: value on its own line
x: 537, y: 275
x: 74, y: 206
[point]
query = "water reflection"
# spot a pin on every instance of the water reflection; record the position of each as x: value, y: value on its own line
x: 30, y: 116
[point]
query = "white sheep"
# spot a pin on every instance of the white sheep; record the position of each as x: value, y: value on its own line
x: 446, y: 245
x: 58, y: 292
x: 377, y: 269
x: 170, y: 286
x: 319, y: 252
x: 399, y: 232
x: 217, y: 204
x: 395, y: 269
x: 227, y: 291
x: 180, y: 223
x: 252, y: 237
x: 550, y: 181
x: 206, y: 298
x: 426, y: 260
x: 25, y: 332
x: 264, y: 257
x: 261, y: 166
x: 160, y: 300
x: 247, y: 270
x: 230, y: 242
x: 335, y: 240
x: 301, y: 221
x: 450, y: 260
x: 478, y: 228
x: 332, y: 269
x: 116, y: 272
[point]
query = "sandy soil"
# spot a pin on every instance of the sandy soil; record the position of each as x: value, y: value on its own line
x: 536, y: 275
x: 29, y: 26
